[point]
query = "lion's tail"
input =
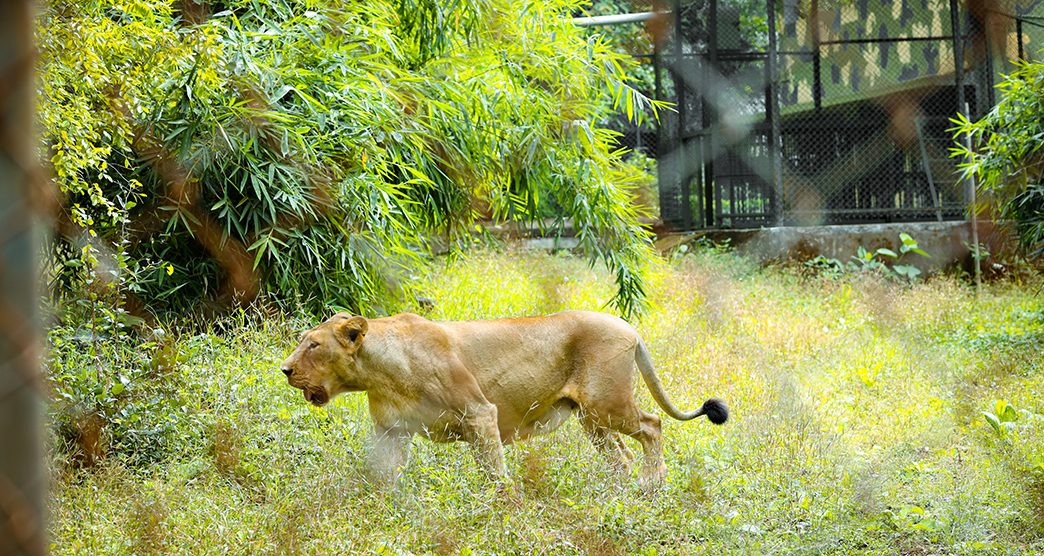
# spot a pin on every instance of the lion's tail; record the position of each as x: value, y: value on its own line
x: 714, y: 409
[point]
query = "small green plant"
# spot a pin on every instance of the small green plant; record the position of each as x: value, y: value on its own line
x: 878, y: 259
x: 909, y: 245
x: 1003, y: 421
x: 705, y: 245
x: 826, y: 266
x: 916, y: 520
x: 1017, y: 432
x: 882, y: 260
x: 871, y: 260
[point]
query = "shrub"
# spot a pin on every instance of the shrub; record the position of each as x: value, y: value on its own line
x: 313, y: 149
x: 1006, y: 157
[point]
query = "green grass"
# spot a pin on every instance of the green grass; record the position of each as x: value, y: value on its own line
x: 857, y: 427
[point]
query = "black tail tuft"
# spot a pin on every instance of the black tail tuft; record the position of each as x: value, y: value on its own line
x: 715, y: 410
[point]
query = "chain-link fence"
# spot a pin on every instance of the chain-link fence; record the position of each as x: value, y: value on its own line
x: 22, y: 475
x: 807, y: 112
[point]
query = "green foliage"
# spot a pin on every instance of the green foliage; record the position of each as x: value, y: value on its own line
x: 430, y: 26
x: 320, y: 146
x: 1005, y: 155
x: 631, y: 38
x: 1022, y: 331
x: 909, y: 245
x: 1017, y: 432
x: 874, y: 261
x: 115, y: 393
x: 1003, y: 420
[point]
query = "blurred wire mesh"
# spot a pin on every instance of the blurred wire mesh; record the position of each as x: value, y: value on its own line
x: 810, y: 112
x: 22, y: 477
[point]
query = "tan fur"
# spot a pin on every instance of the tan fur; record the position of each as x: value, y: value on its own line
x: 487, y: 382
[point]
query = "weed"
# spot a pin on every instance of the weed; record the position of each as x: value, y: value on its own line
x: 882, y: 260
x: 147, y: 519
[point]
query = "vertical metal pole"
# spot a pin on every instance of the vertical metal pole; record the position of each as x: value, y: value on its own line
x: 962, y: 105
x: 973, y: 214
x: 657, y: 68
x: 1018, y: 37
x: 989, y: 75
x: 817, y: 77
x: 662, y: 142
x: 681, y: 152
x: 22, y: 475
x: 925, y: 163
x: 775, y: 132
x: 711, y: 187
x: 958, y: 56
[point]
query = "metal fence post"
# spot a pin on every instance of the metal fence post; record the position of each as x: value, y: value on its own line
x: 817, y: 72
x: 684, y: 165
x: 775, y: 133
x: 1018, y: 37
x: 712, y: 186
x: 958, y: 58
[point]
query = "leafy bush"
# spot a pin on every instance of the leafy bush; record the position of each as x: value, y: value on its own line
x: 874, y: 261
x: 314, y: 149
x: 1006, y: 157
x: 114, y: 392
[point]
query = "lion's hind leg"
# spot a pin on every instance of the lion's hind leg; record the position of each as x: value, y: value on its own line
x: 654, y: 470
x: 627, y: 419
x: 622, y: 448
x: 609, y: 444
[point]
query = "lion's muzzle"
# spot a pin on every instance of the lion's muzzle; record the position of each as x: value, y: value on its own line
x: 316, y: 395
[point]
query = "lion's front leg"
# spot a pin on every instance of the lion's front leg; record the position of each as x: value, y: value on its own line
x: 391, y: 451
x: 483, y: 434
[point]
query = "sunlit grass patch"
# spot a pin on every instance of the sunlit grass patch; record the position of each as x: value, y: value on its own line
x: 858, y: 425
x: 515, y: 284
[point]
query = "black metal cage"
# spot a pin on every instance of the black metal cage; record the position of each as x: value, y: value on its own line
x: 803, y: 112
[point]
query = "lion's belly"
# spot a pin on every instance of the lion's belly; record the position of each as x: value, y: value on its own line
x: 448, y: 426
x: 442, y: 434
x: 537, y: 422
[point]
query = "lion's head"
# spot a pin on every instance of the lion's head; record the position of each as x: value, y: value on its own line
x: 323, y: 363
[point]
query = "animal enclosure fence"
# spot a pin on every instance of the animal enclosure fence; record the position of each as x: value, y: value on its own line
x: 807, y: 112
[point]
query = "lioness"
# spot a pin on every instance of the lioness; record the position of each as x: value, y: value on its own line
x: 490, y: 382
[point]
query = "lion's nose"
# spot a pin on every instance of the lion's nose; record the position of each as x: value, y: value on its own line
x: 287, y: 371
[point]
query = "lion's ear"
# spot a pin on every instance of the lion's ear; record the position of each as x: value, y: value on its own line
x: 351, y: 331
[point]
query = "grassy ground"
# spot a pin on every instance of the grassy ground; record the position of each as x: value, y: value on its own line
x: 857, y: 427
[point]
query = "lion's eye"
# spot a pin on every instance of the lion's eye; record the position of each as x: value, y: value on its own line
x: 313, y: 345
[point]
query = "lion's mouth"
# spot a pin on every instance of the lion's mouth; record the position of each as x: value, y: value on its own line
x: 316, y: 397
